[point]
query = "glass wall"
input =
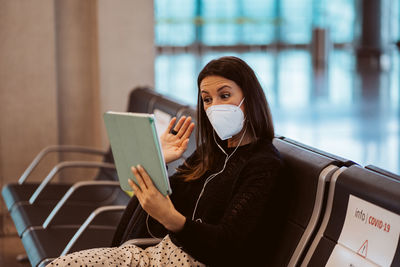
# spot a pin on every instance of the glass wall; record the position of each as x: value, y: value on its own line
x: 190, y: 32
x: 336, y: 108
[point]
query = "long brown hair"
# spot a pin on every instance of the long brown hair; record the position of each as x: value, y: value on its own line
x: 257, y: 112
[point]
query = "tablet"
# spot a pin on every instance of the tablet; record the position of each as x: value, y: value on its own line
x: 134, y: 140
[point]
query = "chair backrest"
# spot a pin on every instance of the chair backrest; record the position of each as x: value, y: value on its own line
x: 382, y: 172
x: 342, y: 161
x: 361, y: 225
x: 140, y: 99
x: 307, y: 173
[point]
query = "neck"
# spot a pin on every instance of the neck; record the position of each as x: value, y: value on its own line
x: 234, y: 141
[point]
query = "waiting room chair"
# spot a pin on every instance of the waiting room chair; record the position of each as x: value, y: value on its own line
x: 308, y: 174
x: 361, y: 223
x: 50, y: 239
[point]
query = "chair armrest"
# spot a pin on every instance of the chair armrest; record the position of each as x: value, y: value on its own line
x: 61, y: 148
x: 64, y: 165
x: 71, y: 191
x: 87, y: 223
x: 311, y: 228
x: 142, y: 241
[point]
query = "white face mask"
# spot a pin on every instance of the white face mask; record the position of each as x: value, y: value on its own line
x: 227, y: 120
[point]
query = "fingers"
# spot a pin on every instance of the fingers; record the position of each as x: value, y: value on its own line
x: 171, y: 124
x: 185, y: 144
x: 139, y: 178
x: 146, y: 178
x: 178, y: 126
x: 135, y: 188
x: 184, y: 124
x: 145, y: 192
x: 142, y: 178
x: 188, y: 131
x: 184, y: 127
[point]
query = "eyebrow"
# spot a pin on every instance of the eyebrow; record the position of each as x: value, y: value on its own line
x: 219, y: 89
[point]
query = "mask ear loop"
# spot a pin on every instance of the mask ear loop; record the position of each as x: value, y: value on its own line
x: 212, y: 176
x: 241, y: 102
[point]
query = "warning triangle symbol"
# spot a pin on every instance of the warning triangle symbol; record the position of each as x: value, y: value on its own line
x: 363, y: 249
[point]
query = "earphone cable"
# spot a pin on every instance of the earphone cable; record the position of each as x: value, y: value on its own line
x: 212, y: 176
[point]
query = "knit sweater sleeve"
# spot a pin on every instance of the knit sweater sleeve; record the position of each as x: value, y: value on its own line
x: 210, y: 243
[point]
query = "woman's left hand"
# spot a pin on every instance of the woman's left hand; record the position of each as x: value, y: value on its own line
x: 154, y: 203
x: 173, y: 145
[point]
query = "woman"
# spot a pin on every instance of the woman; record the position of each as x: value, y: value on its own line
x: 223, y: 200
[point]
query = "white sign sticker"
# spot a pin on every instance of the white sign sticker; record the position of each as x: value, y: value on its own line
x: 162, y: 121
x: 370, y: 231
x: 344, y: 257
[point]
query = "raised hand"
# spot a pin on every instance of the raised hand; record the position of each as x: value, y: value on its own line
x: 174, y: 140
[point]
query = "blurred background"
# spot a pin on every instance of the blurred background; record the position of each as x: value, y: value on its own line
x: 330, y: 70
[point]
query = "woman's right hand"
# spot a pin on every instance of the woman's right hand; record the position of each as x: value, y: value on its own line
x: 173, y: 145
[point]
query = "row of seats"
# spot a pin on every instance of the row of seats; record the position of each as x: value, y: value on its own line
x: 332, y: 234
x: 49, y: 215
x: 326, y: 197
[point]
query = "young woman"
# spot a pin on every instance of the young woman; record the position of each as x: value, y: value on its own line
x: 223, y: 209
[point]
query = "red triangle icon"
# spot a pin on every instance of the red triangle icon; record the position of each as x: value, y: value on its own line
x: 362, y: 251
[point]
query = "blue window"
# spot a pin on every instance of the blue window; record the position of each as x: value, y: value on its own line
x: 197, y: 31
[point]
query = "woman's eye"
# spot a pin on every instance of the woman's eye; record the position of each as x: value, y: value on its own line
x: 224, y: 96
x: 207, y: 100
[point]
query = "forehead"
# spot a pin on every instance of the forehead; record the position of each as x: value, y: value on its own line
x: 215, y: 82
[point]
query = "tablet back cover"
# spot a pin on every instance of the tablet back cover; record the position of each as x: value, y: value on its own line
x: 134, y: 140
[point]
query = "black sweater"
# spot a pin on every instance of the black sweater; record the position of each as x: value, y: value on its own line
x: 239, y: 209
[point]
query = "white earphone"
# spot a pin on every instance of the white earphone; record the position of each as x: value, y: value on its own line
x: 212, y: 176
x: 209, y: 178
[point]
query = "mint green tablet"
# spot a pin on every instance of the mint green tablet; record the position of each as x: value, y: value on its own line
x: 134, y: 140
